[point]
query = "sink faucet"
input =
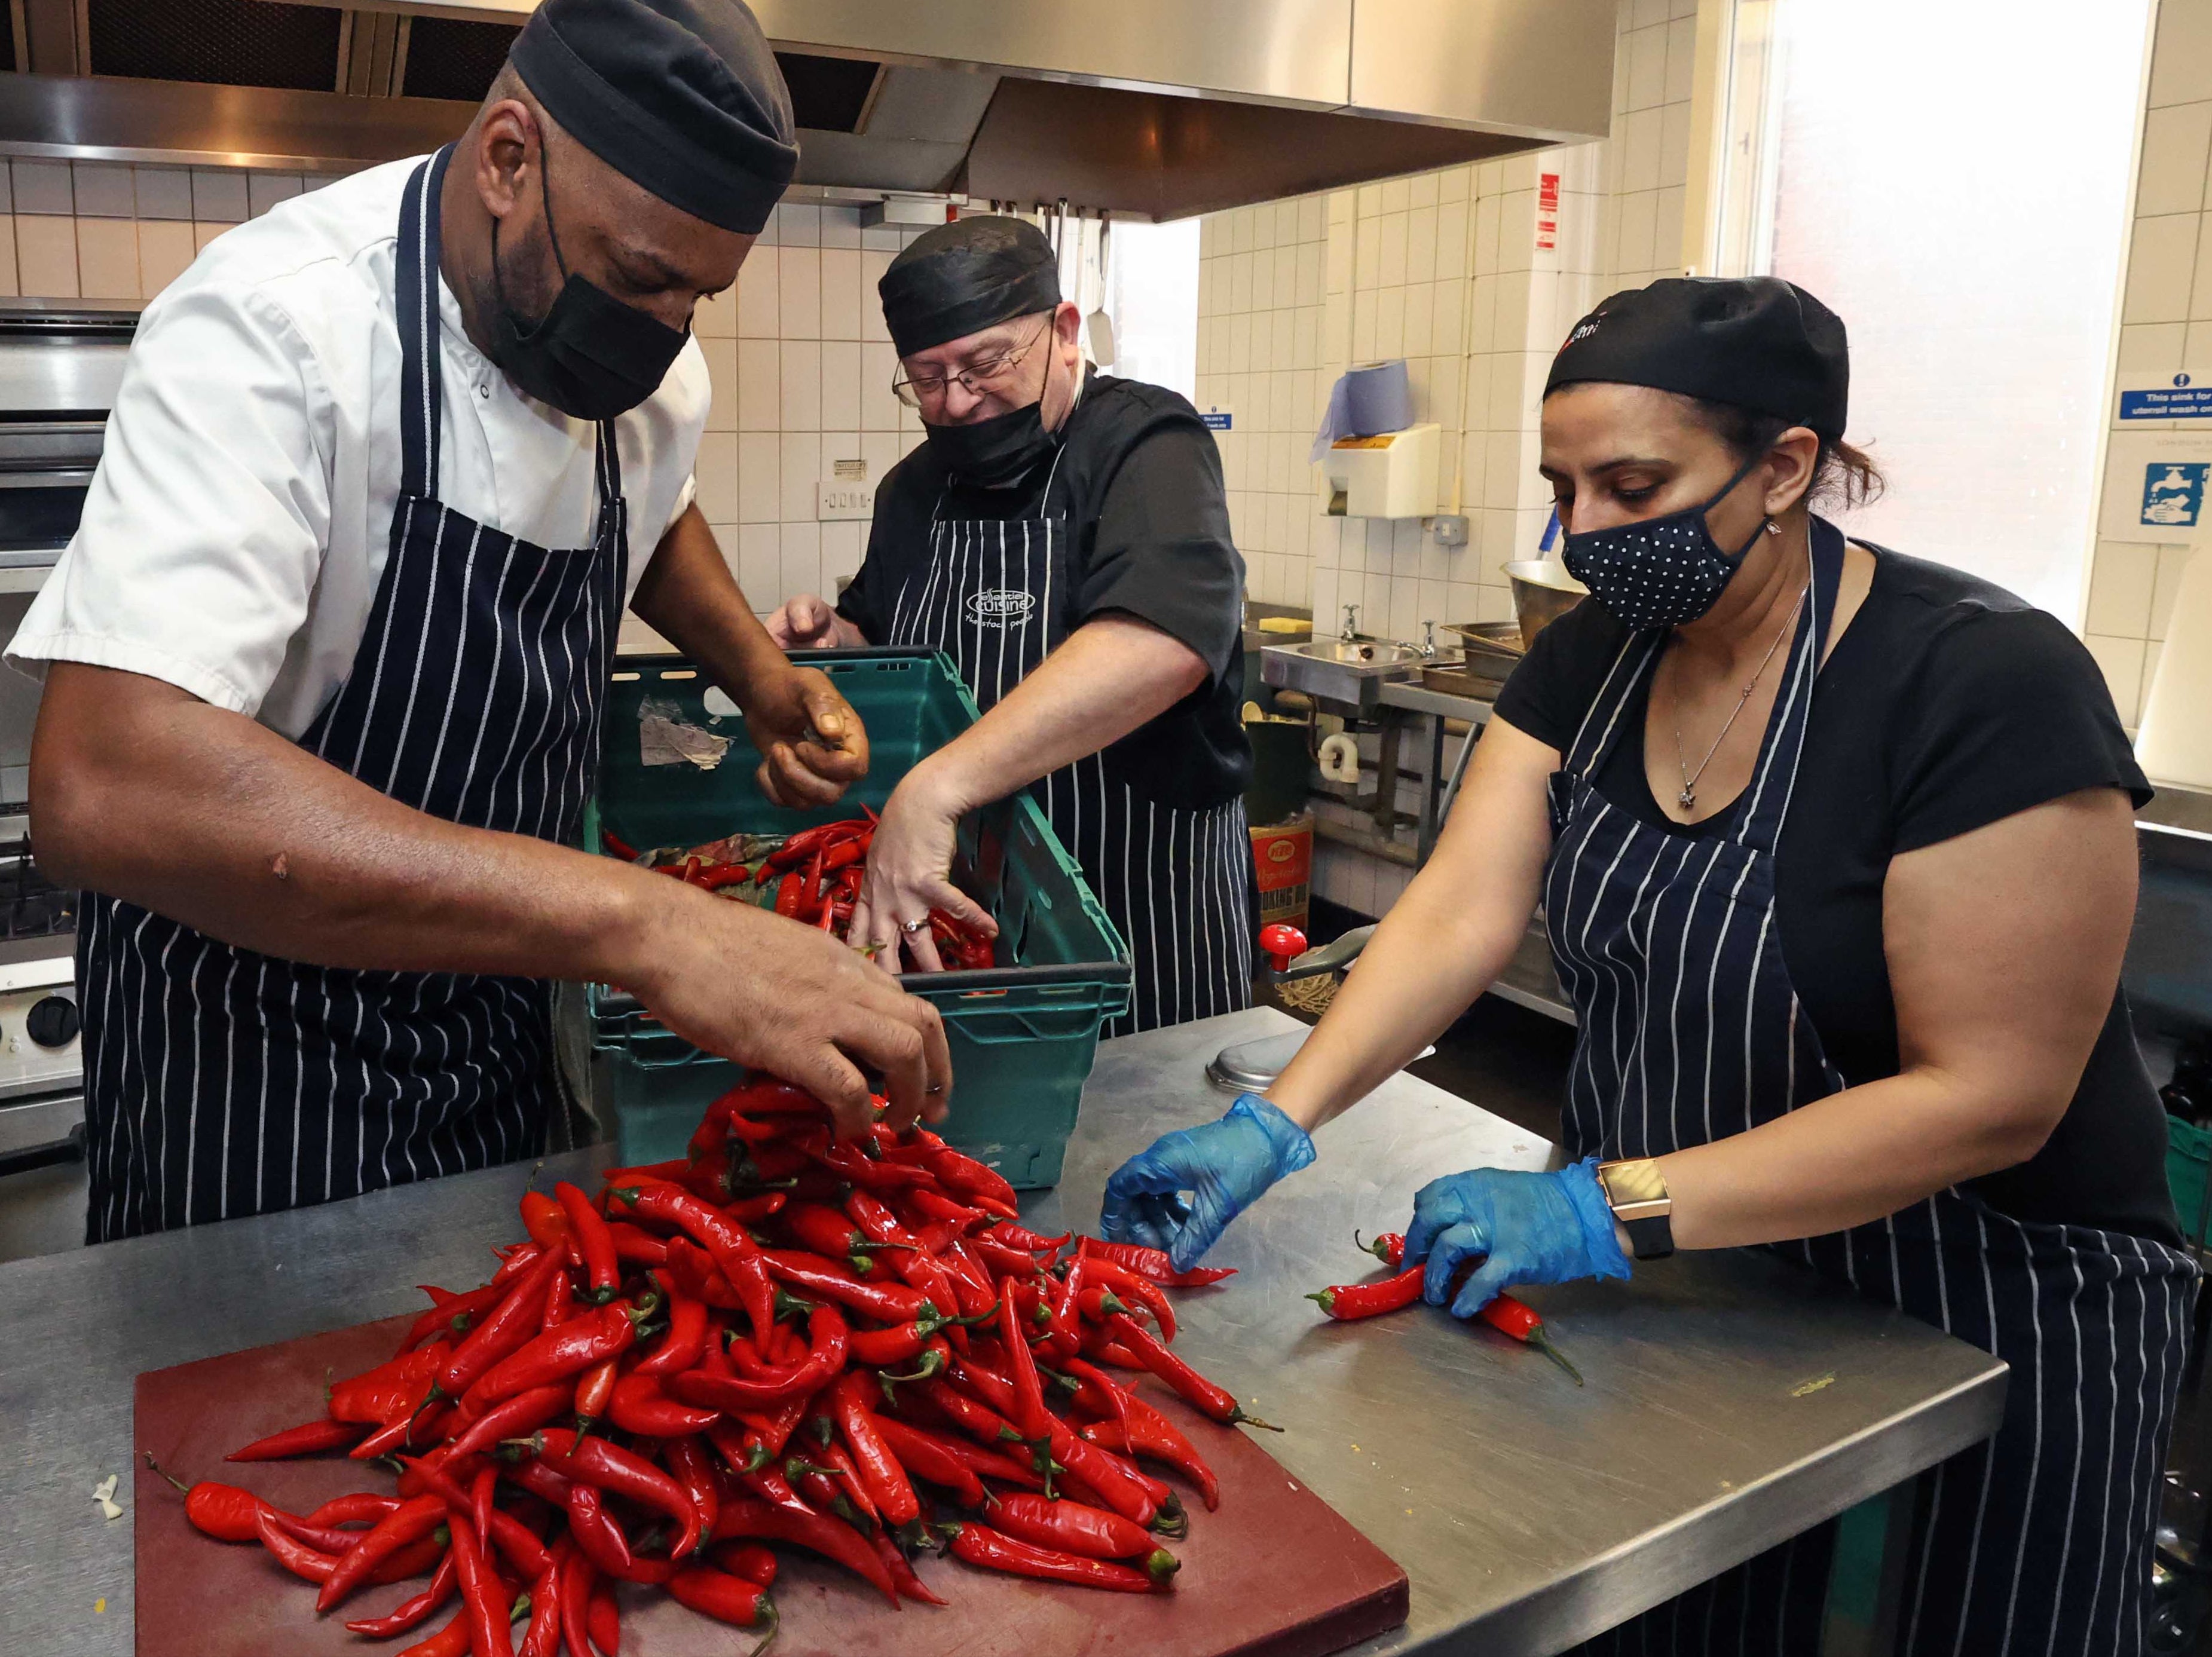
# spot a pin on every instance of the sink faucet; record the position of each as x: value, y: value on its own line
x: 1351, y: 633
x: 1428, y: 638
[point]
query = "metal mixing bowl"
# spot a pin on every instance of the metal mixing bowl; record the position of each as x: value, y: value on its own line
x: 1542, y: 592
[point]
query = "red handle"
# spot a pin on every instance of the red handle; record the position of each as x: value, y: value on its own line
x: 1280, y: 944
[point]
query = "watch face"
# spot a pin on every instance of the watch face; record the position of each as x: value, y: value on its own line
x: 1638, y: 1181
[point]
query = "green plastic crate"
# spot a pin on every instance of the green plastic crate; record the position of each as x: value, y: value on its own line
x: 1022, y: 1034
x: 2188, y: 1153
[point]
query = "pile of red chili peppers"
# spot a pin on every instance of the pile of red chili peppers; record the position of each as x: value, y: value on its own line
x: 782, y: 1339
x: 813, y: 876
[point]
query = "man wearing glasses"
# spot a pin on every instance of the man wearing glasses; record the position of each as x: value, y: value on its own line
x: 1064, y: 536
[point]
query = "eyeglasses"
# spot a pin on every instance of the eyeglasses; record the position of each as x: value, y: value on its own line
x: 976, y: 378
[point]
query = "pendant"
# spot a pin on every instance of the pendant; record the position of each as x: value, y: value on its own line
x: 1687, y: 798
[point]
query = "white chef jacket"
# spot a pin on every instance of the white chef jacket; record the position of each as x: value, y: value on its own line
x: 233, y: 536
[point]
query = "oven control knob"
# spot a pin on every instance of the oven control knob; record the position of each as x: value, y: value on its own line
x: 52, y: 1021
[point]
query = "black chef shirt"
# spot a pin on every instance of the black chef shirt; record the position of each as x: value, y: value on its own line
x: 1139, y: 483
x: 1948, y: 704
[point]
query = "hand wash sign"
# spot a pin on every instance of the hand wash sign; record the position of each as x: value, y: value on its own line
x: 2154, y: 488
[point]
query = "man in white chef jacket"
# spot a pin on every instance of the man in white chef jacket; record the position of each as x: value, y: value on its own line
x: 324, y: 662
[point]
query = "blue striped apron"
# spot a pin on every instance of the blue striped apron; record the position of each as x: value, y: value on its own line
x: 220, y: 1082
x: 2037, y: 1542
x: 997, y: 596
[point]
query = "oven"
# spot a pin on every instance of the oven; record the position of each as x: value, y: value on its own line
x: 60, y: 363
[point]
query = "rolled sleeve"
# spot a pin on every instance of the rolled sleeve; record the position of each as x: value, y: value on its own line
x: 1163, y: 552
x: 203, y: 530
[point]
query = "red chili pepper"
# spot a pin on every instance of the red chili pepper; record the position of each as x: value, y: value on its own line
x: 688, y: 1465
x: 511, y: 1417
x: 1154, y: 1435
x: 515, y: 1321
x: 1193, y: 1387
x: 605, y: 1619
x: 605, y: 1466
x: 926, y: 1456
x: 1117, y: 1483
x: 403, y: 1433
x: 411, y: 1614
x: 752, y: 1518
x: 788, y: 894
x: 639, y: 1408
x: 825, y: 1231
x: 614, y: 847
x: 455, y: 1313
x: 749, y: 1560
x: 361, y: 1508
x: 978, y: 1295
x: 409, y: 1522
x: 634, y: 1243
x: 825, y: 1358
x: 308, y: 1564
x: 222, y: 1511
x: 597, y: 1534
x: 489, y: 1622
x: 1030, y: 1414
x: 324, y: 1538
x: 309, y: 1438
x: 501, y: 1529
x: 396, y: 1387
x: 900, y: 1344
x: 980, y: 1421
x: 575, y: 1590
x: 595, y: 1393
x: 1507, y: 1314
x: 886, y: 1303
x: 980, y: 1546
x: 594, y: 1242
x: 910, y: 1587
x: 563, y: 1350
x: 1002, y: 1260
x: 732, y: 1247
x: 1022, y: 1237
x: 880, y: 1473
x: 451, y: 1641
x: 984, y: 1463
x: 726, y: 1599
x: 936, y: 1205
x: 1144, y: 1292
x: 542, y: 1217
x: 1153, y: 1264
x: 1071, y: 1526
x: 825, y: 1486
x: 543, y: 1637
x: 908, y: 1258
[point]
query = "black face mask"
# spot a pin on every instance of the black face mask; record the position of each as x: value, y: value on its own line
x: 996, y: 452
x: 590, y: 356
x: 1663, y: 571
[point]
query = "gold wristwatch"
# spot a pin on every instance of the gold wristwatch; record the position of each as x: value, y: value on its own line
x: 1635, y: 1192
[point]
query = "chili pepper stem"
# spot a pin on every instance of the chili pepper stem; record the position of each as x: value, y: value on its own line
x: 1239, y: 1419
x: 1378, y: 1248
x: 180, y: 1484
x: 1544, y: 1344
x: 767, y: 1614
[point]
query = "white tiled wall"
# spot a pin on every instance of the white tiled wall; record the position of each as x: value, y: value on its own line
x: 1442, y: 269
x: 2165, y: 325
x: 800, y: 362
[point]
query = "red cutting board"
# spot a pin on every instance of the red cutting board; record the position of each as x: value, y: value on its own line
x: 1274, y: 1573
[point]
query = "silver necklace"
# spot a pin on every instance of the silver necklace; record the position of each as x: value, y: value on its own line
x: 1688, y: 797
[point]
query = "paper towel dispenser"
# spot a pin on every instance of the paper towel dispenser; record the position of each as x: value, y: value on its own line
x: 1390, y: 475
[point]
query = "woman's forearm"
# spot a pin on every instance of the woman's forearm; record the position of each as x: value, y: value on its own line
x: 1842, y: 1161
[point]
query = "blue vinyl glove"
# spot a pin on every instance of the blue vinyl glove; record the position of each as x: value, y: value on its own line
x: 1226, y: 1166
x: 1534, y: 1227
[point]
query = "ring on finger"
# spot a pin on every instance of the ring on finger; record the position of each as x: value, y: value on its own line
x: 910, y: 927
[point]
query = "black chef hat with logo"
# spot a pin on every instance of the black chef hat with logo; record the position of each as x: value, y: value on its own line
x: 682, y: 97
x: 972, y: 274
x: 1758, y: 342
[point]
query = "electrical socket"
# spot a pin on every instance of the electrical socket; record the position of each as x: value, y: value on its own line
x: 1450, y: 528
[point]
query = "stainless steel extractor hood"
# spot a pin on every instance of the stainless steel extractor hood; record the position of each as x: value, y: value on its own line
x: 1146, y: 108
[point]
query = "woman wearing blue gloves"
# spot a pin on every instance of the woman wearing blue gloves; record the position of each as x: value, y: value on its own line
x: 1835, y: 853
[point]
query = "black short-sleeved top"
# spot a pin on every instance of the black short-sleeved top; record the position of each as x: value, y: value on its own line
x: 1139, y: 480
x: 1948, y: 704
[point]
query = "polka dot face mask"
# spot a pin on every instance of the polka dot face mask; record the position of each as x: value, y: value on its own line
x: 1659, y: 572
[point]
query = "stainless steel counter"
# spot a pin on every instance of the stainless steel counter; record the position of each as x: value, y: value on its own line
x: 1731, y: 1401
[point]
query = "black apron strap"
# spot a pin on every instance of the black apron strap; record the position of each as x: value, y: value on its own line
x: 414, y: 292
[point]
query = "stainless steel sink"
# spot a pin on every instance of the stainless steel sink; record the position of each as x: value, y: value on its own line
x: 1348, y: 671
